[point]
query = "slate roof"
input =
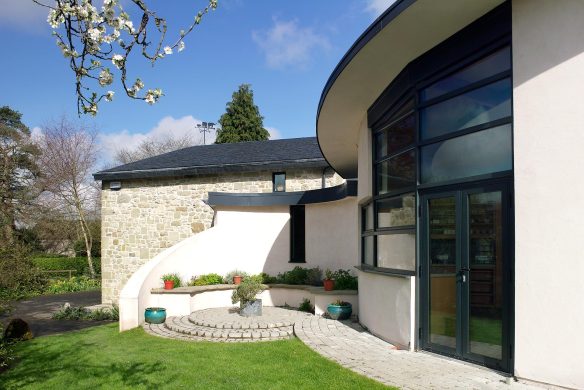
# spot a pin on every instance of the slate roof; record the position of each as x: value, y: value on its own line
x: 222, y: 158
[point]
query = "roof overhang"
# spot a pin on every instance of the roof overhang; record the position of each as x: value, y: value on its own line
x: 405, y: 31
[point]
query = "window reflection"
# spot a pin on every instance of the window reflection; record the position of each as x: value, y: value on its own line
x: 397, y: 173
x: 398, y: 211
x: 397, y: 251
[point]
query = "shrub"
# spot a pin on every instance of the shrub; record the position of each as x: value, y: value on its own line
x: 299, y: 275
x: 174, y: 277
x: 74, y: 284
x: 206, y: 280
x: 79, y: 264
x: 306, y: 306
x: 268, y: 279
x: 344, y: 280
x: 80, y: 251
x: 230, y: 275
x: 19, y: 278
x: 6, y: 351
x: 314, y: 277
x: 328, y: 274
x: 248, y: 289
x: 68, y: 312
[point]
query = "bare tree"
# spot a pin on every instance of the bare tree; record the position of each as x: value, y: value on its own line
x: 155, y: 145
x: 69, y: 154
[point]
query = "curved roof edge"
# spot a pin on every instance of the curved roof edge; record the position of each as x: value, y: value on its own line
x: 321, y: 195
x: 405, y: 31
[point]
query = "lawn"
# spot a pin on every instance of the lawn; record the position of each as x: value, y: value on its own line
x: 101, y: 357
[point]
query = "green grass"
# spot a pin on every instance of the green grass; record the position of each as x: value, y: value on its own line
x: 101, y: 357
x: 485, y: 330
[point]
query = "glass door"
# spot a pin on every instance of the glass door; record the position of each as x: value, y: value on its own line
x: 465, y: 274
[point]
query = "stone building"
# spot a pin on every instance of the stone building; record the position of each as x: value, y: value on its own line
x: 152, y: 204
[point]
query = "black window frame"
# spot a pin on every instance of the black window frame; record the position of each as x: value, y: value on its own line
x: 441, y: 62
x: 297, y: 234
x: 274, y: 174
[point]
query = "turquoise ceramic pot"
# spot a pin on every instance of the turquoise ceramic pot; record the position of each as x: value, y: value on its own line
x: 155, y: 315
x: 338, y: 312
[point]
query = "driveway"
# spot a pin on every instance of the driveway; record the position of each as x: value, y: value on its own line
x: 37, y: 312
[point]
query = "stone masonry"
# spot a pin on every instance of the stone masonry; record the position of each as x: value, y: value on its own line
x: 149, y: 215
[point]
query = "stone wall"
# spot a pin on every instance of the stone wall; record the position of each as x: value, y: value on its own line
x: 149, y: 215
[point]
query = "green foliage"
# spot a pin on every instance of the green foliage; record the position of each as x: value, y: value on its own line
x: 248, y: 289
x: 299, y: 275
x: 328, y: 274
x: 74, y: 284
x: 268, y: 279
x: 344, y: 280
x: 68, y: 312
x: 229, y: 277
x: 242, y: 120
x: 338, y: 302
x: 79, y: 264
x: 206, y: 280
x: 6, y: 350
x: 80, y: 251
x: 18, y: 171
x: 19, y: 278
x: 174, y: 277
x: 306, y: 306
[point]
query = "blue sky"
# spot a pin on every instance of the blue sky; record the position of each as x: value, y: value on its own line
x: 285, y: 49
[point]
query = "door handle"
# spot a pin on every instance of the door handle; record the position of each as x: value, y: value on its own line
x: 463, y: 272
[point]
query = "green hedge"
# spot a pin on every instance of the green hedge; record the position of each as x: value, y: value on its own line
x: 79, y: 264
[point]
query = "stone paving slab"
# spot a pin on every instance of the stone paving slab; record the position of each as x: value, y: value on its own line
x: 353, y: 347
x: 229, y: 318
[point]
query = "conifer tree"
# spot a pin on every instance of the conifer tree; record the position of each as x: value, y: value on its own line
x: 242, y: 120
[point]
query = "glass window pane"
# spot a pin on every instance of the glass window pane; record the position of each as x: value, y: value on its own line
x: 397, y: 173
x: 397, y: 251
x: 473, y: 108
x: 473, y: 154
x: 397, y: 136
x: 279, y: 182
x: 398, y: 211
x: 368, y: 215
x: 368, y: 250
x: 497, y: 62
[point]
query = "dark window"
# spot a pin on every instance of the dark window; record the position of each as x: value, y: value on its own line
x: 297, y: 235
x: 456, y: 128
x: 279, y: 182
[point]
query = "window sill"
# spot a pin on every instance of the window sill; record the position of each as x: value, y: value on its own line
x: 400, y: 273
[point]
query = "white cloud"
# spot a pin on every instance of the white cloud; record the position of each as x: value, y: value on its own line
x: 25, y: 15
x: 288, y: 44
x: 36, y: 133
x: 274, y: 133
x: 377, y: 7
x: 168, y: 125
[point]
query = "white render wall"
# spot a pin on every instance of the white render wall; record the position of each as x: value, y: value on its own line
x: 548, y: 80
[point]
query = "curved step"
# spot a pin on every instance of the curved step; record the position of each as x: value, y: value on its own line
x: 228, y: 318
x: 182, y: 325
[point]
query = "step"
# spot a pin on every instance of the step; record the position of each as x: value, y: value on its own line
x: 182, y: 325
x: 228, y: 318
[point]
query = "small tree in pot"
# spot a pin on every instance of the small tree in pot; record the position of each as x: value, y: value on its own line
x: 245, y: 294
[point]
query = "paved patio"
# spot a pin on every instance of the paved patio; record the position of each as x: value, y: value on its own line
x: 345, y: 342
x: 353, y: 347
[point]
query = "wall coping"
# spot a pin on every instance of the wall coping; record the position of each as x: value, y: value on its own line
x: 194, y: 290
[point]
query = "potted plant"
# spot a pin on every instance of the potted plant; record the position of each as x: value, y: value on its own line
x: 171, y: 281
x: 155, y: 315
x: 237, y: 280
x: 339, y: 310
x: 235, y: 277
x: 328, y: 282
x: 245, y: 294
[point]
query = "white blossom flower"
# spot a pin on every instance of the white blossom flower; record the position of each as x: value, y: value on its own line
x: 105, y: 77
x: 55, y: 18
x: 94, y: 33
x: 118, y: 60
x: 153, y: 95
x: 150, y: 99
x: 181, y: 46
x: 109, y: 96
x: 167, y: 50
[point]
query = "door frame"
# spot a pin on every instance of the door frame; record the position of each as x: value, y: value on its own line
x: 459, y: 192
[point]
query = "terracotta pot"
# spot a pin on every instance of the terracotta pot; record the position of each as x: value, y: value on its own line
x: 329, y: 284
x: 236, y: 279
x: 168, y: 284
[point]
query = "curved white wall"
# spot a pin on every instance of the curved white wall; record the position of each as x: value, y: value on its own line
x: 252, y: 239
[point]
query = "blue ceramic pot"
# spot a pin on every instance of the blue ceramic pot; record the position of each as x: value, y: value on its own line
x: 338, y: 312
x: 155, y: 315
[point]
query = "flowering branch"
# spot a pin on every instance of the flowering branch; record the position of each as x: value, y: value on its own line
x: 92, y: 38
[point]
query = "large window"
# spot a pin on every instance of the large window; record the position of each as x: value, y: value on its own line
x: 447, y: 128
x: 297, y: 235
